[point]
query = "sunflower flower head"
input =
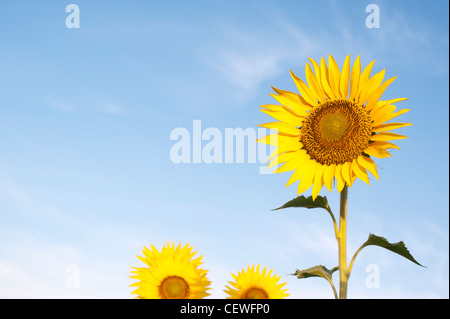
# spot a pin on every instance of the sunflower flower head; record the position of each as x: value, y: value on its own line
x: 253, y: 284
x: 171, y: 273
x: 334, y: 128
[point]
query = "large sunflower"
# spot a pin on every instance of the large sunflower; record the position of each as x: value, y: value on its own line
x: 334, y: 127
x: 252, y: 284
x: 170, y: 274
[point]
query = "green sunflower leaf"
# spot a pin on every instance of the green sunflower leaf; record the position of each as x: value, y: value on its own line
x: 316, y: 271
x: 398, y: 248
x: 307, y: 202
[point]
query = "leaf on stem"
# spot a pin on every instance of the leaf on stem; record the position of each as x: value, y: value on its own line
x: 307, y: 202
x: 316, y: 271
x: 398, y: 248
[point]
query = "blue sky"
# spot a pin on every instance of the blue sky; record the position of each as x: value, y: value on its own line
x: 86, y: 114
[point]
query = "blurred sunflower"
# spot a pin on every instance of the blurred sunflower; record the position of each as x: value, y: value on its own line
x: 334, y: 127
x: 252, y: 284
x: 170, y: 274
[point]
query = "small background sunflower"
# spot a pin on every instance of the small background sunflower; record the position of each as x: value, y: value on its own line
x: 172, y: 273
x: 255, y: 284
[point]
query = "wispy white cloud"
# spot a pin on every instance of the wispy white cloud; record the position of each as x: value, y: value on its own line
x: 61, y: 105
x: 246, y: 58
x: 94, y: 104
x: 112, y: 109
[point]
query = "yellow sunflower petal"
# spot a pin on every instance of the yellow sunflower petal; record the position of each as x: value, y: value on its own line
x: 339, y: 178
x: 296, y: 103
x: 270, y: 139
x: 144, y: 260
x: 285, y: 128
x: 318, y: 73
x: 289, y: 105
x: 345, y: 77
x: 306, y: 181
x: 298, y: 99
x: 324, y: 76
x: 284, y: 116
x: 353, y: 176
x: 382, y: 111
x: 318, y: 180
x: 293, y: 162
x: 346, y: 173
x: 377, y: 151
x: 360, y: 172
x: 384, y: 118
x: 376, y: 95
x: 354, y: 82
x: 389, y: 126
x: 299, y: 113
x: 285, y: 100
x: 290, y: 145
x: 371, y: 85
x: 270, y: 107
x: 297, y: 154
x: 328, y: 176
x: 387, y: 136
x: 297, y: 118
x: 368, y: 164
x: 281, y: 158
x: 392, y: 101
x: 364, y: 78
x: 334, y: 75
x: 383, y: 144
x: 304, y: 90
x: 291, y: 95
x: 316, y: 89
x: 381, y: 103
x: 297, y: 175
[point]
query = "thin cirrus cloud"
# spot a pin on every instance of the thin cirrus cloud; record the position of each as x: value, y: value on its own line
x: 245, y: 58
x: 110, y: 108
x: 102, y: 106
x: 61, y: 105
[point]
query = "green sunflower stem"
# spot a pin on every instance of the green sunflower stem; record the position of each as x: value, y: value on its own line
x: 343, y: 275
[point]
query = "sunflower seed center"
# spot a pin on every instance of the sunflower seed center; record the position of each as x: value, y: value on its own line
x: 255, y: 293
x: 336, y: 131
x: 333, y: 126
x: 174, y: 287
